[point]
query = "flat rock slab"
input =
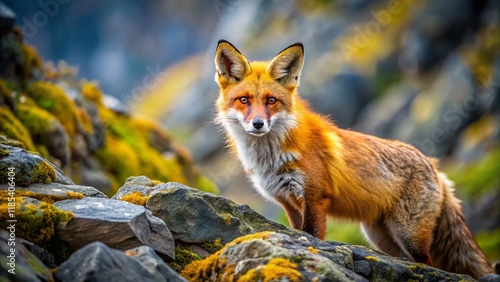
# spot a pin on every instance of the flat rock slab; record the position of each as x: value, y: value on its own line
x: 58, y: 190
x: 100, y: 263
x: 118, y: 224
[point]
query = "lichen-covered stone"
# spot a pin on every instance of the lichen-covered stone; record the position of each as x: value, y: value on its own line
x: 194, y: 216
x: 154, y: 264
x: 29, y: 168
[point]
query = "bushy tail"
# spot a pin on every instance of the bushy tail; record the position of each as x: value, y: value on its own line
x: 454, y: 248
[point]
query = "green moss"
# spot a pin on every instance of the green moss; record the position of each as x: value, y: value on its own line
x: 6, y: 98
x: 11, y: 127
x: 52, y: 98
x: 43, y: 173
x: 11, y: 142
x: 119, y: 159
x: 184, y: 256
x: 37, y: 121
x: 35, y: 222
x: 31, y: 61
x: 4, y: 152
x: 202, y: 270
x: 212, y: 247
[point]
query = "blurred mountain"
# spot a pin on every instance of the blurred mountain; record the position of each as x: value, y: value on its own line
x: 116, y: 42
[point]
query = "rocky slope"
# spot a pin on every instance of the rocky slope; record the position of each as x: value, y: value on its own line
x: 154, y: 231
x: 87, y: 134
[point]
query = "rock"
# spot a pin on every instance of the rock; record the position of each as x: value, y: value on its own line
x: 91, y: 173
x: 58, y: 191
x: 141, y: 184
x: 36, y: 220
x: 154, y: 264
x: 43, y: 255
x: 7, y: 17
x: 194, y: 216
x: 29, y: 168
x: 97, y: 262
x: 116, y: 105
x: 118, y: 224
x: 274, y: 256
x: 490, y: 278
x: 26, y: 266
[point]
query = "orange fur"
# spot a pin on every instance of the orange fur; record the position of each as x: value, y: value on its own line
x: 313, y: 169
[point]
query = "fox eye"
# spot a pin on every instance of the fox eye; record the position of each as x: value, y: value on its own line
x: 271, y: 100
x: 244, y: 100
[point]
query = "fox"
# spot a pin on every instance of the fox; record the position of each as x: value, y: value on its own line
x: 314, y: 169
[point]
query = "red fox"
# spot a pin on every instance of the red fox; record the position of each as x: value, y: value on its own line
x: 313, y: 169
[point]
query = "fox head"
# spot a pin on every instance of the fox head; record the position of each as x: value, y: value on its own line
x: 258, y: 97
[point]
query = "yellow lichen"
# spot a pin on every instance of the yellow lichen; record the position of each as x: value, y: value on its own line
x: 3, y: 152
x: 43, y: 173
x: 275, y: 270
x: 11, y: 127
x: 31, y: 60
x: 372, y: 258
x: 52, y: 98
x: 91, y: 91
x: 212, y: 247
x: 42, y: 197
x: 156, y: 182
x: 35, y: 223
x: 135, y: 198
x: 312, y: 250
x: 200, y: 270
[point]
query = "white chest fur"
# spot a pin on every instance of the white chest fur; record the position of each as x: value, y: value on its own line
x: 263, y: 158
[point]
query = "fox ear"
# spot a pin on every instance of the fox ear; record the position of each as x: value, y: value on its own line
x: 287, y: 65
x: 231, y: 65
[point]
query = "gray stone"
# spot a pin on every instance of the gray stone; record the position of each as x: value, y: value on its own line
x: 58, y: 190
x: 194, y: 216
x: 91, y: 173
x: 26, y: 167
x: 99, y: 263
x: 141, y: 184
x: 118, y: 224
x: 154, y: 264
x: 27, y: 267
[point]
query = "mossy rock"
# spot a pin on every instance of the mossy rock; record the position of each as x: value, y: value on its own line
x: 53, y: 99
x: 28, y: 168
x: 36, y: 221
x: 11, y: 127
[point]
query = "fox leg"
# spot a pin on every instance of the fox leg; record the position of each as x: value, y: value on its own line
x: 315, y: 216
x: 294, y: 215
x: 413, y: 235
x: 379, y: 236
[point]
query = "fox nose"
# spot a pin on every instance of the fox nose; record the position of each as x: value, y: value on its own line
x: 258, y: 123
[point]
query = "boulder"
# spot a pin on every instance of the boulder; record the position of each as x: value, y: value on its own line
x: 272, y: 256
x: 29, y: 168
x: 154, y: 264
x: 194, y: 216
x: 25, y: 266
x: 118, y: 224
x: 98, y: 262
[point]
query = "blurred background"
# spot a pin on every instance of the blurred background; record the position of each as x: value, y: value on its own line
x: 424, y: 72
